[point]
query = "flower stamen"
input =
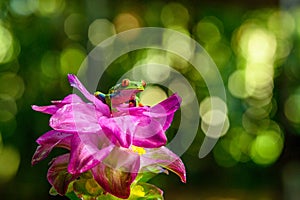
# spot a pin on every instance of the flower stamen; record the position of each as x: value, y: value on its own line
x: 138, y: 150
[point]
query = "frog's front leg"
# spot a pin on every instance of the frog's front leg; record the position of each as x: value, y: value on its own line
x: 100, y: 96
x: 135, y: 102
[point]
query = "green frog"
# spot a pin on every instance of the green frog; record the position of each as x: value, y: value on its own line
x: 122, y: 94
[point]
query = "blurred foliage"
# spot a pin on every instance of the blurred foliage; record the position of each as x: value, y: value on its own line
x: 256, y: 46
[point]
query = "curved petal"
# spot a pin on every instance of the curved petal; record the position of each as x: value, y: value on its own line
x: 165, y: 158
x: 170, y: 105
x: 118, y: 129
x: 103, y: 108
x: 88, y: 150
x: 51, y: 109
x: 58, y: 175
x: 131, y: 126
x: 45, y: 109
x: 71, y: 98
x: 116, y: 173
x: 142, y: 126
x: 164, y: 111
x: 78, y: 117
x: 149, y: 134
x: 48, y: 141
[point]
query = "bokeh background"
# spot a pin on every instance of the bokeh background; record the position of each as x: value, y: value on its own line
x: 255, y: 45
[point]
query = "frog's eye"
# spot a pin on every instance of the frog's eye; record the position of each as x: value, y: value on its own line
x: 125, y: 82
x: 143, y: 83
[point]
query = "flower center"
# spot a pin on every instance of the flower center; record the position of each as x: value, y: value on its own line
x: 138, y: 150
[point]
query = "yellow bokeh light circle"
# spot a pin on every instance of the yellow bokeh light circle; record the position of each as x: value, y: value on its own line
x: 71, y: 58
x: 206, y: 105
x: 255, y: 43
x: 8, y: 108
x: 174, y: 42
x: 214, y: 116
x: 174, y: 14
x: 73, y: 26
x: 267, y: 147
x: 240, y: 143
x: 155, y: 72
x: 214, y: 119
x: 10, y: 161
x: 126, y: 21
x: 50, y: 7
x: 6, y: 44
x: 281, y: 23
x: 259, y: 79
x: 260, y: 45
x: 99, y: 30
x: 152, y: 95
x: 237, y: 84
x: 207, y: 31
x: 292, y: 108
x: 183, y: 90
x: 11, y: 85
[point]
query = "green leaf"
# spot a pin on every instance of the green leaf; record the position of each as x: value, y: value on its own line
x: 52, y: 191
x: 72, y: 196
x: 146, y: 191
x: 108, y: 197
x: 87, y: 187
x: 144, y: 177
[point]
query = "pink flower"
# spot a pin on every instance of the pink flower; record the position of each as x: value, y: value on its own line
x: 114, y: 147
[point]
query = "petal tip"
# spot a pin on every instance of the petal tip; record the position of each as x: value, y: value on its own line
x: 183, y: 178
x: 33, y: 162
x: 72, y: 78
x: 34, y: 107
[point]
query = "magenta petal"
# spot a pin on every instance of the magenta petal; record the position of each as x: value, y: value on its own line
x: 169, y: 105
x: 79, y: 117
x: 71, y: 98
x: 119, y: 129
x: 45, y: 109
x: 164, y: 111
x: 133, y: 127
x: 117, y: 172
x: 88, y: 150
x: 165, y: 158
x: 58, y: 175
x: 142, y: 126
x: 103, y: 108
x: 149, y: 135
x: 48, y: 141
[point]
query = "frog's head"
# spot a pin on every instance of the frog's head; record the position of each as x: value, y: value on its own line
x: 126, y: 90
x: 126, y: 84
